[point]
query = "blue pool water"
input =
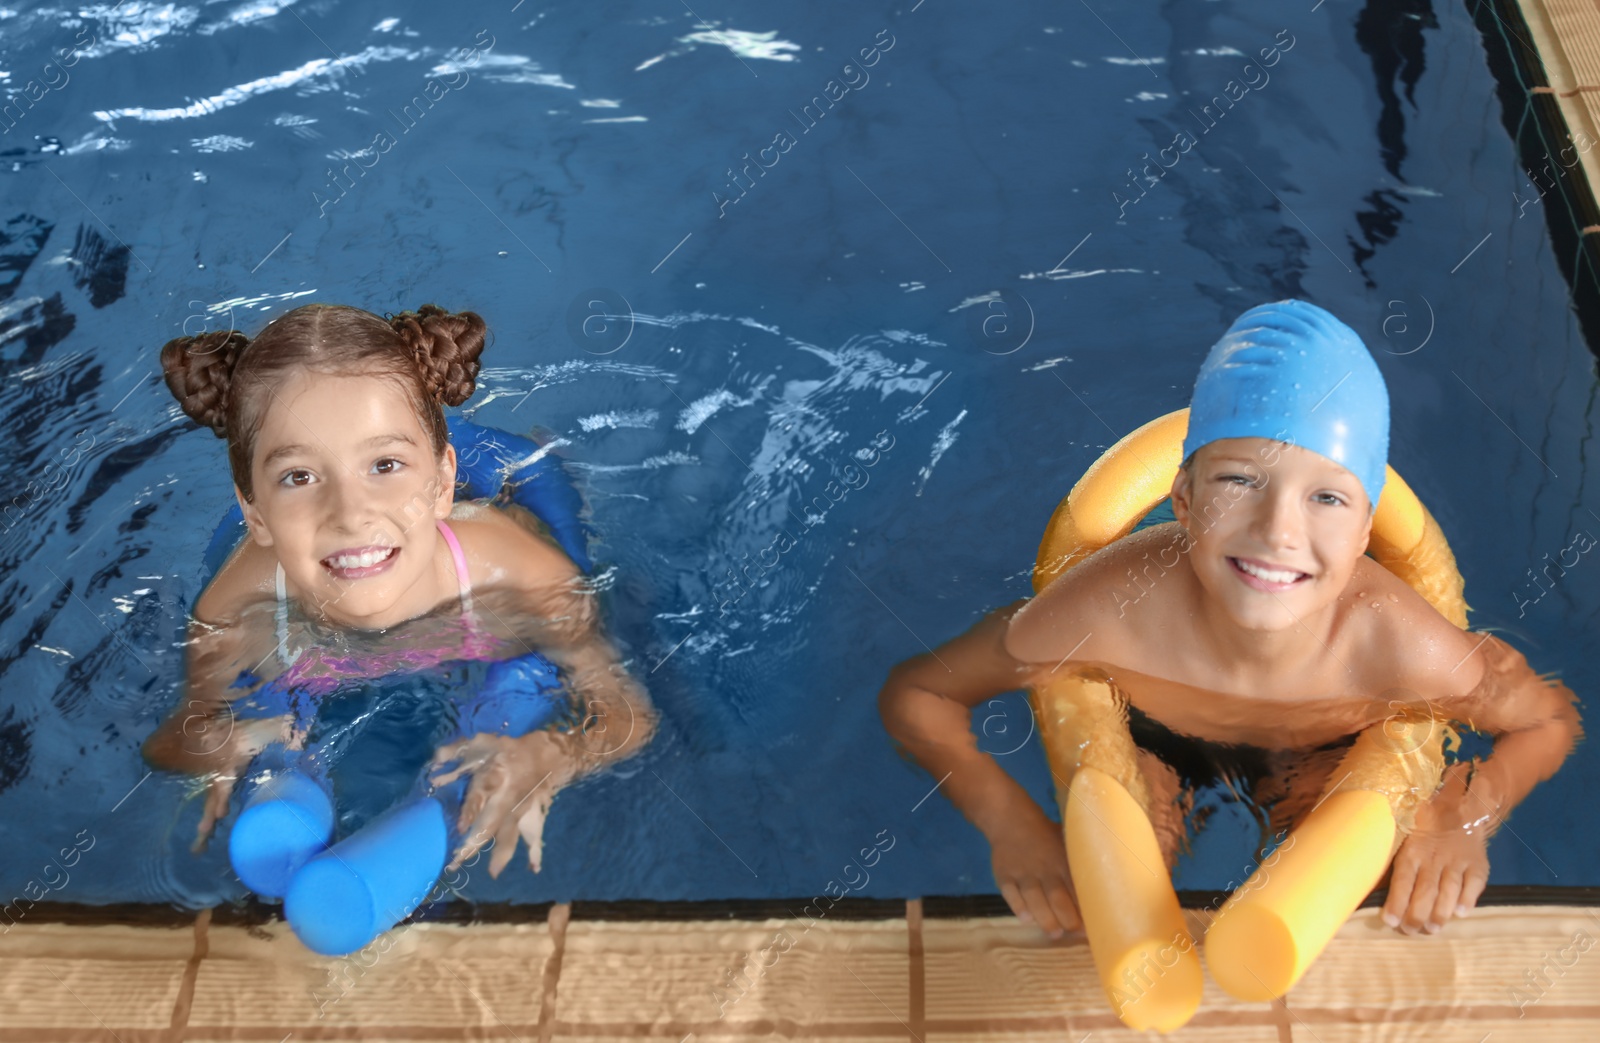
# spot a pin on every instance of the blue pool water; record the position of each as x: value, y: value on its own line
x: 941, y: 266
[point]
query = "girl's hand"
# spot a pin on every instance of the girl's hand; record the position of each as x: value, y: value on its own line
x: 514, y: 780
x: 244, y: 740
x: 1442, y: 867
x: 1030, y: 865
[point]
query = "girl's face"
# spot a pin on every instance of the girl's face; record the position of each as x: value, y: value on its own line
x: 1276, y: 529
x: 347, y: 493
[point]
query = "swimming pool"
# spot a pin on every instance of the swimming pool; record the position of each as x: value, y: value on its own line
x: 890, y: 312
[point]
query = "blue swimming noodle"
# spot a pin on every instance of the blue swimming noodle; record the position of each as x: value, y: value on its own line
x: 343, y: 898
x: 288, y: 817
x: 488, y: 459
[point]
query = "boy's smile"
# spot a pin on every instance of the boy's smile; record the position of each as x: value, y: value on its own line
x: 1276, y: 530
x: 347, y: 493
x: 1265, y: 576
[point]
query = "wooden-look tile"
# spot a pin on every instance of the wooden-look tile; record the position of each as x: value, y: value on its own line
x: 1508, y: 957
x: 1567, y: 34
x: 484, y: 976
x: 715, y: 977
x: 1001, y: 963
x: 95, y: 978
x: 1119, y: 1034
x: 1451, y: 1031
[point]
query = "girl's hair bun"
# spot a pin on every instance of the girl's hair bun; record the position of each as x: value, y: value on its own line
x: 226, y: 381
x: 445, y: 347
x: 199, y: 372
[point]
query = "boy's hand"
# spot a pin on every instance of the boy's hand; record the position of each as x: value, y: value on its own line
x: 1442, y: 867
x: 1030, y: 865
x: 514, y: 781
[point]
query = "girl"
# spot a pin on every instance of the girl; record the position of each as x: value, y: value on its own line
x: 343, y: 470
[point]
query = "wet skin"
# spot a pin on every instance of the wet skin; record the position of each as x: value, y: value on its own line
x: 340, y: 470
x: 1326, y: 643
x: 347, y: 493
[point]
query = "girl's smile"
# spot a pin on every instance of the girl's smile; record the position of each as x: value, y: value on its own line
x: 355, y: 563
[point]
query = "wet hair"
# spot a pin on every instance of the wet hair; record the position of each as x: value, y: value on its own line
x: 225, y: 380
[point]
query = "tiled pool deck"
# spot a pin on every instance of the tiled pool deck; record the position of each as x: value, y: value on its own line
x: 1506, y: 973
x: 1509, y: 973
x: 1566, y: 36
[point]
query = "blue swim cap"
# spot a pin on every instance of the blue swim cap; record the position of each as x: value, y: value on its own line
x: 1290, y: 371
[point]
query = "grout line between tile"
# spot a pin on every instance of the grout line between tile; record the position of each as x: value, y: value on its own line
x: 560, y: 915
x: 918, y: 991
x: 184, y: 1001
x: 1280, y: 1017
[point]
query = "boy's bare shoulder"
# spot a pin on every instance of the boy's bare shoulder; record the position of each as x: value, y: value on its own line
x: 1090, y: 610
x: 1406, y: 642
x: 246, y: 578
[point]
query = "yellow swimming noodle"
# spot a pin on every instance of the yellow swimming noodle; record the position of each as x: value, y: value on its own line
x: 1114, y: 493
x: 1280, y: 920
x: 1147, y: 962
x: 1145, y: 956
x: 1407, y: 541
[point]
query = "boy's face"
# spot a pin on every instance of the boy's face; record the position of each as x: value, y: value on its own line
x: 347, y: 491
x: 1276, y: 528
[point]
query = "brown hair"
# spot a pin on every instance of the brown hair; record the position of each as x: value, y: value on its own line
x: 223, y: 379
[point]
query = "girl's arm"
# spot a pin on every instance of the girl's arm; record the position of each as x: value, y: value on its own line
x: 617, y: 717
x: 202, y: 736
x: 514, y: 780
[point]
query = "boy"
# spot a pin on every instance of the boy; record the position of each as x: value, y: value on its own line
x: 1271, y: 632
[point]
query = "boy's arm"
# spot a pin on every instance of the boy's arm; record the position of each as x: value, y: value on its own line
x: 926, y: 707
x: 1442, y: 867
x: 1534, y: 723
x: 925, y: 704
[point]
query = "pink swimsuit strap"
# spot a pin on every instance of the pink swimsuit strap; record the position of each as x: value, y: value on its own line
x: 463, y: 580
x: 476, y: 644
